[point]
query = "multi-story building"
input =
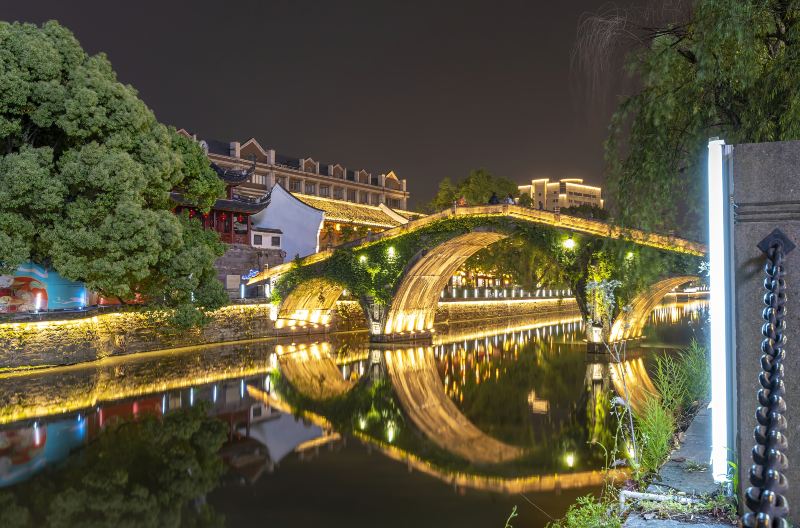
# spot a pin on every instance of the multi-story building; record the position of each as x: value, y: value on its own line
x: 568, y: 192
x: 304, y: 176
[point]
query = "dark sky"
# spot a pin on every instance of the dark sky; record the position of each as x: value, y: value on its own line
x: 427, y: 89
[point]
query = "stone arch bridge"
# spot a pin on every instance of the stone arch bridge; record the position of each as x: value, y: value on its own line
x: 418, y: 289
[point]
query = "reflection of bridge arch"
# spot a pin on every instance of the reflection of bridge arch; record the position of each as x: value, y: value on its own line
x: 630, y: 324
x: 631, y: 377
x: 414, y: 305
x: 421, y: 393
x: 312, y: 371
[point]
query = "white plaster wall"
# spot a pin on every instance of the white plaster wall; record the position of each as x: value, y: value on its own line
x: 300, y: 223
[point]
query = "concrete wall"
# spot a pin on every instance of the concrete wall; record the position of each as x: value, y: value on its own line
x: 766, y: 179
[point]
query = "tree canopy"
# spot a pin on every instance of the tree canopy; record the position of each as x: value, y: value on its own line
x: 476, y: 189
x: 730, y: 69
x: 87, y: 170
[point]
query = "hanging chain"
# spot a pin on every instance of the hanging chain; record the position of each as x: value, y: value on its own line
x: 766, y: 498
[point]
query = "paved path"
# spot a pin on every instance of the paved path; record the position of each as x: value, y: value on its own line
x: 683, y: 473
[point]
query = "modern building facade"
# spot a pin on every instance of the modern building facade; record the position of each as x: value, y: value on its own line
x: 556, y: 195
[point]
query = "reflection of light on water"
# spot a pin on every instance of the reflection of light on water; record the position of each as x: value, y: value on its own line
x: 679, y: 312
x: 480, y: 359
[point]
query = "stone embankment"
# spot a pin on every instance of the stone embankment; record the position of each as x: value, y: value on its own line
x: 66, y: 341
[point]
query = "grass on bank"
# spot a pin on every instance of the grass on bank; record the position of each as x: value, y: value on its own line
x: 683, y: 382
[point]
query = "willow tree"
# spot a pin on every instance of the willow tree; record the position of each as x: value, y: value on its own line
x: 725, y: 68
x: 86, y: 172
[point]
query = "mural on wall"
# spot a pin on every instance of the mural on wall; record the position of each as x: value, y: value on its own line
x: 35, y: 288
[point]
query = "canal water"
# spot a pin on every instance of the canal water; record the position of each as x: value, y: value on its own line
x: 455, y: 432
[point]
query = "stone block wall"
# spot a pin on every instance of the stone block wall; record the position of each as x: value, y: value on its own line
x: 45, y: 343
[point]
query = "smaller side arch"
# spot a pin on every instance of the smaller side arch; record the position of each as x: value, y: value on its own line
x: 629, y: 325
x: 311, y: 301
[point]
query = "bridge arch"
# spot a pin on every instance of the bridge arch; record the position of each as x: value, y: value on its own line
x: 311, y: 301
x: 629, y: 325
x: 414, y: 306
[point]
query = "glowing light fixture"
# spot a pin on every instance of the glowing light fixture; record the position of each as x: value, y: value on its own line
x: 390, y: 252
x: 362, y: 259
x: 720, y: 306
x: 569, y: 243
x: 569, y: 459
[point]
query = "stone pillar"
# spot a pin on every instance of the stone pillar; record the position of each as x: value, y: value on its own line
x: 766, y: 195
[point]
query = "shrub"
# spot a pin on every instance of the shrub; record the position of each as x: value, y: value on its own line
x: 656, y: 429
x: 670, y: 380
x: 589, y: 512
x: 697, y: 372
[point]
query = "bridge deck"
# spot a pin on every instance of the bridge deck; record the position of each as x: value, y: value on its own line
x: 549, y: 218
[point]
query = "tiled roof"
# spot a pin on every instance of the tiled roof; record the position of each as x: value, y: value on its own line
x: 340, y: 211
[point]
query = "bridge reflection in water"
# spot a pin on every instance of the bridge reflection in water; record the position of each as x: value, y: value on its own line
x: 508, y: 412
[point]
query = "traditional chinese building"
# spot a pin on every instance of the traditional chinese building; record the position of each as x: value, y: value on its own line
x: 277, y: 207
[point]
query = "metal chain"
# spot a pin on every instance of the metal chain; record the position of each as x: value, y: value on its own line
x: 766, y: 498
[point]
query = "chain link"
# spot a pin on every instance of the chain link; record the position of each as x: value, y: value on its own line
x: 766, y: 498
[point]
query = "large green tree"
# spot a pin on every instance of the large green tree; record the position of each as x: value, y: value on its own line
x: 86, y: 172
x: 726, y: 68
x: 476, y: 189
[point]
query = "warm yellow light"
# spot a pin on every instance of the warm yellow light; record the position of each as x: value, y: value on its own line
x: 362, y: 259
x: 569, y: 459
x: 569, y: 243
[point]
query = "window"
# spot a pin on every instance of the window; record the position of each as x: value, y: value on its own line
x: 257, y: 240
x: 276, y: 241
x: 281, y: 180
x: 351, y: 195
x: 338, y: 193
x: 376, y: 199
x: 311, y: 188
x: 364, y: 197
x: 324, y: 190
x: 240, y: 224
x: 295, y: 186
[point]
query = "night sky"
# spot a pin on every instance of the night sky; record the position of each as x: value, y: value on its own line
x: 427, y: 89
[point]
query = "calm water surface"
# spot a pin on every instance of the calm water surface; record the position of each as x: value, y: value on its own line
x: 336, y: 433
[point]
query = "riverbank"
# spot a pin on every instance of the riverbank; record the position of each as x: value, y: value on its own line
x: 686, y: 475
x: 36, y: 344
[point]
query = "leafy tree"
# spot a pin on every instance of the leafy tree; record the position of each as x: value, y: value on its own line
x: 726, y: 68
x: 86, y: 173
x: 476, y: 188
x: 586, y: 211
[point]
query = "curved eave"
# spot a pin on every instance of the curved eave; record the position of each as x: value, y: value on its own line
x: 235, y: 206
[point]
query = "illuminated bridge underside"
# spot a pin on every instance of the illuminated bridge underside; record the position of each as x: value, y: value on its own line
x: 629, y: 325
x: 312, y: 372
x: 414, y: 306
x: 534, y: 216
x: 421, y: 393
x: 310, y: 302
